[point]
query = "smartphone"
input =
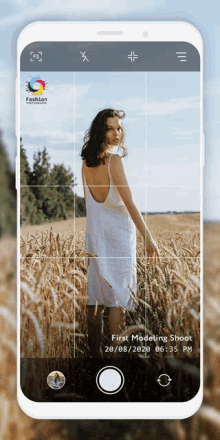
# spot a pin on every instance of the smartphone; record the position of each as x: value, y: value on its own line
x: 109, y: 250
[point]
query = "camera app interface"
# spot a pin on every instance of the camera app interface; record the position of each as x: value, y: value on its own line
x: 110, y: 200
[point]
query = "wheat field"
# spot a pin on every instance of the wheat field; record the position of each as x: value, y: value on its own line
x: 53, y: 291
x: 204, y: 425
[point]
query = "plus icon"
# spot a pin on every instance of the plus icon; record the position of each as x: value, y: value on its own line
x: 132, y: 56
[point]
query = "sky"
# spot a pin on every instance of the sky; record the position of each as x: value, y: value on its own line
x: 161, y: 129
x: 15, y: 15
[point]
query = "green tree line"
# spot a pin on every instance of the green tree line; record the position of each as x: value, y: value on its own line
x: 47, y: 192
x: 7, y: 195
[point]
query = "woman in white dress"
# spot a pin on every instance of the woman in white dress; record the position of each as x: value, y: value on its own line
x: 56, y: 381
x: 111, y: 234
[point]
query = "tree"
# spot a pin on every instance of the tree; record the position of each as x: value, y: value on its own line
x: 47, y: 194
x: 28, y: 205
x: 41, y: 169
x: 7, y: 195
x: 80, y: 206
x: 25, y: 171
x: 29, y: 214
x: 65, y: 196
x: 62, y: 176
x: 39, y: 178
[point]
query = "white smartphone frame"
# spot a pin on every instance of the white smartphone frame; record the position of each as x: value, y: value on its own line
x: 102, y: 31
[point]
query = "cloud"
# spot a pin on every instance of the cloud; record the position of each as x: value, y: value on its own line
x: 55, y: 120
x: 6, y: 111
x: 52, y: 137
x: 6, y: 77
x: 212, y: 87
x: 183, y: 158
x: 171, y: 106
x: 59, y: 110
x: 158, y: 108
x: 188, y: 133
x: 54, y: 8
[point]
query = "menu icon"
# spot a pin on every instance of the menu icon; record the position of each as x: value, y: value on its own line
x: 182, y: 56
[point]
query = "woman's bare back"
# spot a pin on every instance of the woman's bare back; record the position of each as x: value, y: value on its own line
x: 97, y: 180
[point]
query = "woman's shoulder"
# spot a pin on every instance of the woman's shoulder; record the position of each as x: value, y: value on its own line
x: 115, y: 158
x: 116, y: 164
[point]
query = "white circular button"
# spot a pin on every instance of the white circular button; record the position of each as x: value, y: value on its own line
x: 110, y: 380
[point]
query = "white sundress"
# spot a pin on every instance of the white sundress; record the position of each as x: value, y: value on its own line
x: 111, y: 236
x: 57, y: 384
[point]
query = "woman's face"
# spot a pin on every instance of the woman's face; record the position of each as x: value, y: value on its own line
x: 113, y: 131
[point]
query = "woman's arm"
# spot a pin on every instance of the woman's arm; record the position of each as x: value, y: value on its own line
x: 120, y: 181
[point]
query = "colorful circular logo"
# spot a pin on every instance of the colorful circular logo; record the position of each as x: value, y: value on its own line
x: 30, y: 85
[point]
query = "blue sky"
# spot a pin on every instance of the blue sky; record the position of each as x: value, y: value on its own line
x: 161, y: 129
x: 15, y: 15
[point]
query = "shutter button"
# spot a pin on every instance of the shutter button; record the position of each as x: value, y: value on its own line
x: 110, y: 380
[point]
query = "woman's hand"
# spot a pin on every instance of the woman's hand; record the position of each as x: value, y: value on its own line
x: 152, y: 250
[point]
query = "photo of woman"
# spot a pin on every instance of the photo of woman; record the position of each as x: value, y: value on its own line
x: 110, y: 228
x: 56, y: 380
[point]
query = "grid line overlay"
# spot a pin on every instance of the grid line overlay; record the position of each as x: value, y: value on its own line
x: 145, y: 181
x: 74, y: 195
x: 115, y: 258
x: 145, y: 209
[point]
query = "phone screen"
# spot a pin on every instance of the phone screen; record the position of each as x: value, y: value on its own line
x: 103, y: 318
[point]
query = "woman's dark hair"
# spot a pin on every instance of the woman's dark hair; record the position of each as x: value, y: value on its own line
x: 94, y: 139
x: 57, y: 377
